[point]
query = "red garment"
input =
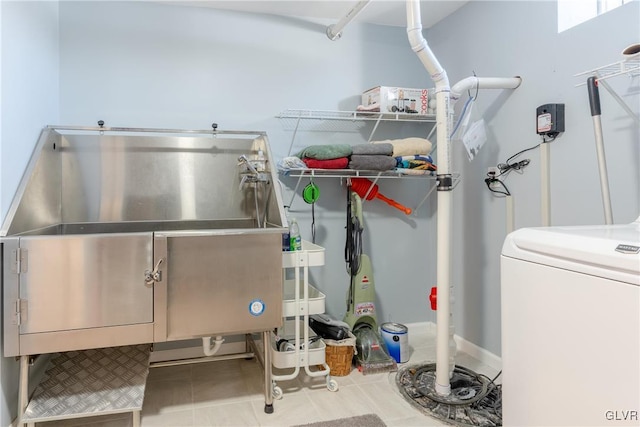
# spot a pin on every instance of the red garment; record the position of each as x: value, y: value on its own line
x: 339, y: 163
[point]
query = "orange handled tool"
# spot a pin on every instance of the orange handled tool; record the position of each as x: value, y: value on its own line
x: 362, y: 185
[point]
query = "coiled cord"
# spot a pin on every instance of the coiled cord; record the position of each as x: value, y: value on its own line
x: 353, y: 243
x: 352, y: 247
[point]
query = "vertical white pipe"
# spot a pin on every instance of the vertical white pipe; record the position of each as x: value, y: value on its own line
x: 511, y: 223
x: 545, y: 185
x: 602, y: 167
x: 444, y: 213
x: 445, y: 183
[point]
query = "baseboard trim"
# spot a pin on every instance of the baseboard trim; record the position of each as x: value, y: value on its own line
x: 483, y: 355
x: 473, y: 350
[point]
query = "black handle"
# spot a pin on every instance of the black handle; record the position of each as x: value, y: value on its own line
x: 594, y: 96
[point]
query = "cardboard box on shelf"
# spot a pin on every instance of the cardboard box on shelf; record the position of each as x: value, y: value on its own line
x: 397, y: 99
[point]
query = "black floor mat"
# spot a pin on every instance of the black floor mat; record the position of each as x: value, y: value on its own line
x: 474, y: 400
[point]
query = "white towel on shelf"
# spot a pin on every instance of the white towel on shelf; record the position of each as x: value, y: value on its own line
x: 408, y: 146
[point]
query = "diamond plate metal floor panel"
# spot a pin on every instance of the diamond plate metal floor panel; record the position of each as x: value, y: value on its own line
x: 91, y: 382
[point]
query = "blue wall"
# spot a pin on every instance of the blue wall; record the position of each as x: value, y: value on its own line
x: 508, y: 38
x: 29, y: 82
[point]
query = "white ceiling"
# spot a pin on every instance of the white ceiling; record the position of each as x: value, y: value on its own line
x: 383, y: 12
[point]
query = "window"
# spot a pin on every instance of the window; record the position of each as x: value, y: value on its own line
x: 574, y: 12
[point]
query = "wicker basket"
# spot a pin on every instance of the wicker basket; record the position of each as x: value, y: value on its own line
x: 339, y: 355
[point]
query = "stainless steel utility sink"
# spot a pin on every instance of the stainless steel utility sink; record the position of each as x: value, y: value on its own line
x: 130, y: 236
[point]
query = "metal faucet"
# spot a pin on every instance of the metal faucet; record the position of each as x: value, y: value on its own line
x: 243, y: 159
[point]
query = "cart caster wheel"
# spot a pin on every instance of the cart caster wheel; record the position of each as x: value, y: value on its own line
x: 332, y: 385
x: 277, y: 393
x: 268, y: 409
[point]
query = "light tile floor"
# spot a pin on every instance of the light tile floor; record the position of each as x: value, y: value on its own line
x: 230, y: 393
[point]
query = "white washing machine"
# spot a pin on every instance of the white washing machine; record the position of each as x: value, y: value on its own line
x: 571, y: 326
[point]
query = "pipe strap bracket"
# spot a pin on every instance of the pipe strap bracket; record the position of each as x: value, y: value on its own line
x: 445, y: 182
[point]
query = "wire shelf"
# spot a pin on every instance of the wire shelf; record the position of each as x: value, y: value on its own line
x: 629, y: 67
x: 355, y: 115
x: 343, y: 121
x: 351, y: 173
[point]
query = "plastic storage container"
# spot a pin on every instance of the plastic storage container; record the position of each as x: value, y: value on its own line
x: 300, y: 300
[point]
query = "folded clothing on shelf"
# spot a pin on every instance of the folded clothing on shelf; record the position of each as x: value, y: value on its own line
x: 408, y: 146
x: 326, y: 152
x: 372, y: 162
x: 339, y: 163
x: 420, y: 162
x: 403, y: 171
x: 384, y: 149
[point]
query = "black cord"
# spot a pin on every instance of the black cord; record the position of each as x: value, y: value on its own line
x: 352, y: 248
x: 313, y: 222
x: 492, y: 180
x: 353, y: 245
x: 517, y: 166
x: 504, y: 168
x: 507, y: 166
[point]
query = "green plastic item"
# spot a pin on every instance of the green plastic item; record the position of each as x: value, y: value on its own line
x: 311, y: 193
x: 361, y: 308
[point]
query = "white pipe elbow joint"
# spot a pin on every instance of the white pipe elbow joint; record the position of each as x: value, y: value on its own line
x: 416, y: 40
x: 208, y: 349
x: 464, y: 84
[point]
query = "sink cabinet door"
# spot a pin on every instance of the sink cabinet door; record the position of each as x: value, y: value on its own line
x: 223, y: 284
x: 87, y: 281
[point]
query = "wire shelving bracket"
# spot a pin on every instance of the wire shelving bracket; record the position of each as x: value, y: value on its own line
x: 628, y: 67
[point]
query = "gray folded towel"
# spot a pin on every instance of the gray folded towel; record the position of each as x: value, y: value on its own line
x: 325, y: 152
x: 372, y: 162
x: 385, y: 149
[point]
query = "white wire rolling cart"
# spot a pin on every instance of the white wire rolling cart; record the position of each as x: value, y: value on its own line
x: 300, y: 347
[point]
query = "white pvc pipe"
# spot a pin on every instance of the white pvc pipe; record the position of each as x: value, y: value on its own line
x: 545, y: 185
x: 511, y: 223
x: 208, y: 349
x: 602, y: 167
x: 444, y: 213
x: 334, y: 32
x: 445, y: 183
x: 474, y: 82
